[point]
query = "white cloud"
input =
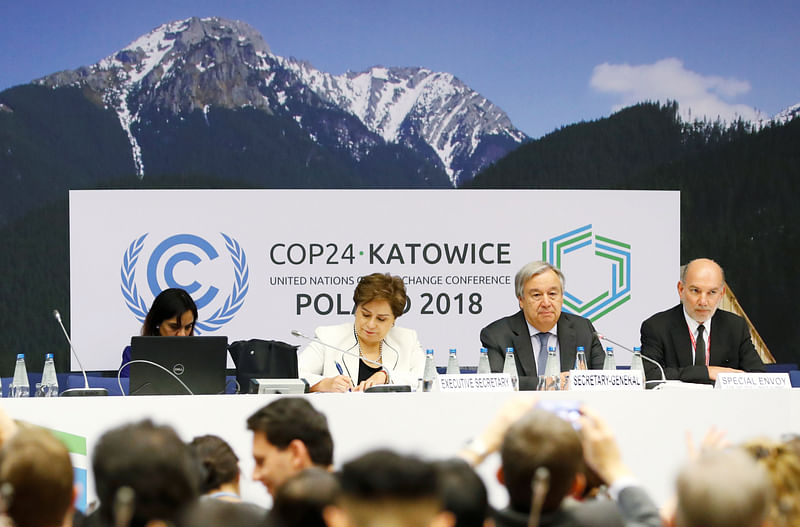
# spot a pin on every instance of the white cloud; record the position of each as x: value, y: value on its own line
x: 698, y: 95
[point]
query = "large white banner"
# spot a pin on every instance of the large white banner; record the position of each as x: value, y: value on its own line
x: 260, y: 263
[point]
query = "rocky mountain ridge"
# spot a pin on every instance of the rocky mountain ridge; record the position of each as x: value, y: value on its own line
x: 196, y: 64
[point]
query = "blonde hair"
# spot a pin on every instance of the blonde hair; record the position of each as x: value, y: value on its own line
x: 782, y: 465
x: 36, y: 468
x: 722, y: 488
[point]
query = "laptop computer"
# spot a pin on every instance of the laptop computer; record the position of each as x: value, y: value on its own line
x: 197, y: 361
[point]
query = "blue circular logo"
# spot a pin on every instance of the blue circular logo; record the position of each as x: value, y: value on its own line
x: 185, y: 249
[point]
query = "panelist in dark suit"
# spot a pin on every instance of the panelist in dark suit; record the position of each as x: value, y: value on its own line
x: 540, y: 291
x: 694, y: 341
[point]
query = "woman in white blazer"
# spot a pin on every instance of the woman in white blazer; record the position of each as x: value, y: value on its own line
x: 394, y: 355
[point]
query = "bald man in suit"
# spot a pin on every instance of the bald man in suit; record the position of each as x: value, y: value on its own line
x: 694, y: 341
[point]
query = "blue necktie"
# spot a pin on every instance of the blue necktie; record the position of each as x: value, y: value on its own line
x: 542, y: 363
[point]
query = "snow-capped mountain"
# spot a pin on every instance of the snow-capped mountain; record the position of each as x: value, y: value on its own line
x: 198, y: 64
x: 786, y: 115
x: 404, y: 105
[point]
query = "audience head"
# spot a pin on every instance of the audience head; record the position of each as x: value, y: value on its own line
x: 289, y: 435
x: 782, y: 464
x: 153, y: 462
x: 792, y: 442
x: 462, y: 492
x: 386, y: 488
x: 302, y: 499
x: 540, y: 291
x: 701, y: 287
x: 36, y: 478
x: 219, y: 462
x: 173, y: 313
x: 541, y: 439
x: 218, y: 513
x: 722, y: 488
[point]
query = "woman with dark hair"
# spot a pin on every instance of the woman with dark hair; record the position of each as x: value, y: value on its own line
x: 172, y: 314
x: 219, y: 485
x: 393, y: 354
x: 220, y: 467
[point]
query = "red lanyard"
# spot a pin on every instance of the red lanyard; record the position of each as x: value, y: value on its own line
x: 694, y: 343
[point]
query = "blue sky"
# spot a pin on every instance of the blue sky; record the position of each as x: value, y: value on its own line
x: 546, y: 63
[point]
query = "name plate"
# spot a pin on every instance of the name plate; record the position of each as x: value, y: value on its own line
x: 596, y: 380
x: 753, y: 381
x: 479, y: 382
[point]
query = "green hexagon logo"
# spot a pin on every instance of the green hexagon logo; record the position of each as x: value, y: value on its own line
x: 614, y: 254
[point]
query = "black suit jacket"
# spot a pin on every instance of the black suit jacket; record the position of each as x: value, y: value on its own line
x: 634, y: 509
x: 512, y: 332
x: 591, y: 514
x: 665, y: 339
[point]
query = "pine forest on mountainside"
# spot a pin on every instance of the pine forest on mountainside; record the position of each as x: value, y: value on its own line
x: 737, y: 187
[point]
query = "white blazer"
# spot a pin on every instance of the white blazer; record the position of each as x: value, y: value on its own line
x: 402, y: 355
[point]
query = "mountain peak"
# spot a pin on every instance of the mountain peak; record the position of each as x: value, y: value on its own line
x: 787, y: 114
x: 166, y: 43
x: 197, y: 63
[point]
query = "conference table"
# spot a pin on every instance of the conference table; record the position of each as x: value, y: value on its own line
x: 651, y: 426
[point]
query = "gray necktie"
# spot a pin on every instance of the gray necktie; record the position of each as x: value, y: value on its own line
x: 542, y: 362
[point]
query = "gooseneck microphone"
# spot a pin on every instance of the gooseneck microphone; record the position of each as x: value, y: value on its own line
x: 346, y: 352
x: 86, y: 390
x: 663, y: 379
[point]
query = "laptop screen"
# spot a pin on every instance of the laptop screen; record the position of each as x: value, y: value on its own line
x: 197, y: 361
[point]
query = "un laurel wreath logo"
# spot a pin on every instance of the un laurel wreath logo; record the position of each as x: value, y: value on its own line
x: 220, y: 317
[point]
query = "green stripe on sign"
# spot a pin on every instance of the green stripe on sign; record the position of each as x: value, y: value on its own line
x: 600, y: 314
x: 596, y: 300
x: 571, y: 306
x: 75, y: 444
x: 612, y: 242
x: 617, y: 259
x: 566, y: 243
x: 544, y: 251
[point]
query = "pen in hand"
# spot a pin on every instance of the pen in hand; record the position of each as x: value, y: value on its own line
x: 341, y: 372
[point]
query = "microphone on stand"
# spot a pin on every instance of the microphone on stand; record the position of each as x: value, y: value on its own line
x: 346, y: 352
x: 663, y: 379
x: 86, y: 390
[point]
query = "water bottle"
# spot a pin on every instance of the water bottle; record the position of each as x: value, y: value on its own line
x: 510, y: 367
x: 609, y: 363
x: 551, y: 380
x: 429, y: 375
x: 483, y: 362
x: 452, y: 363
x: 580, y: 359
x: 49, y: 386
x: 636, y: 361
x: 19, y: 385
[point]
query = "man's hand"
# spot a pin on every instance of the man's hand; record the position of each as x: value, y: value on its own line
x: 713, y: 440
x: 600, y: 448
x: 714, y: 370
x: 564, y: 379
x: 492, y: 436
